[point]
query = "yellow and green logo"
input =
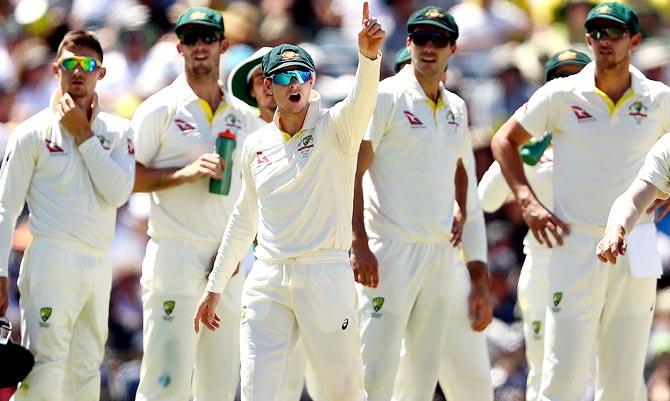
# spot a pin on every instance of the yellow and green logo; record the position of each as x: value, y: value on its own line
x: 377, y: 303
x: 45, y: 313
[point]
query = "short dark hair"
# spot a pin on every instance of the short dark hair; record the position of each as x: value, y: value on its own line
x: 79, y: 39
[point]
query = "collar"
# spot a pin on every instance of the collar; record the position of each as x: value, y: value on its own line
x: 586, y: 80
x: 412, y: 84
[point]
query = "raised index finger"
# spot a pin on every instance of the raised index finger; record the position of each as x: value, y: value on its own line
x: 366, y: 11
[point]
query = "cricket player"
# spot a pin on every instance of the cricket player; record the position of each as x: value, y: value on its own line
x: 245, y: 82
x: 74, y: 166
x: 603, y: 121
x: 175, y: 135
x: 403, y: 214
x: 493, y: 192
x: 298, y: 187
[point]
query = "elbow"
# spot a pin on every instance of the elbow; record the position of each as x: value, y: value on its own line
x: 120, y: 197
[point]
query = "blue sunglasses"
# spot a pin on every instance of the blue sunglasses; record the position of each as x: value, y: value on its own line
x: 284, y: 78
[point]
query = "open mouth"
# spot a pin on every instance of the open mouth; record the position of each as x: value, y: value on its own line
x: 295, y: 98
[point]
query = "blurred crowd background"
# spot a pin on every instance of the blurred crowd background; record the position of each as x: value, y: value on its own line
x: 501, y: 49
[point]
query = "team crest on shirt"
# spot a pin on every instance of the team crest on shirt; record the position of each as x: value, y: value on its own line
x: 638, y: 111
x: 451, y: 118
x: 414, y: 122
x: 184, y: 126
x: 558, y: 296
x: 306, y: 145
x: 261, y: 158
x: 581, y: 114
x: 231, y: 120
x: 104, y: 142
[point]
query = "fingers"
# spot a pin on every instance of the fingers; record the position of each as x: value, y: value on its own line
x: 366, y: 11
x: 481, y: 314
x: 545, y: 237
x: 367, y: 276
x: 210, y: 164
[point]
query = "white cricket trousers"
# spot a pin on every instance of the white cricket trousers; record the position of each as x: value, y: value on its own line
x: 178, y: 363
x: 411, y: 302
x: 311, y: 297
x: 532, y: 293
x: 594, y: 307
x: 465, y: 368
x: 64, y: 306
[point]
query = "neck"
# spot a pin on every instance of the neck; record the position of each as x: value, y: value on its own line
x: 266, y: 113
x: 291, y: 123
x: 430, y: 85
x: 614, y: 82
x: 206, y: 87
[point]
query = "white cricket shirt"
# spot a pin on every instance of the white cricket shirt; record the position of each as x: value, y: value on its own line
x: 599, y: 146
x: 298, y: 193
x: 173, y: 128
x: 72, y: 192
x: 409, y: 188
x: 656, y: 167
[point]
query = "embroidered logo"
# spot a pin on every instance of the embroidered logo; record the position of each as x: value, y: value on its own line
x: 413, y: 120
x: 451, y: 118
x: 184, y: 126
x: 45, y: 314
x: 306, y: 145
x: 103, y: 142
x: 581, y: 114
x: 53, y: 147
x: 168, y: 308
x: 289, y: 55
x: 261, y: 158
x: 537, y: 326
x: 558, y: 296
x: 377, y: 304
x: 638, y: 111
x: 231, y: 120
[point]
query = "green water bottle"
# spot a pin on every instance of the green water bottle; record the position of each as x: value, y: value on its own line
x: 225, y: 145
x: 532, y: 151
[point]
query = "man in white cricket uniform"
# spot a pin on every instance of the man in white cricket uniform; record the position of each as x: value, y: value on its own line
x: 603, y: 120
x: 175, y: 135
x: 533, y: 285
x: 403, y: 214
x: 74, y: 166
x: 298, y: 175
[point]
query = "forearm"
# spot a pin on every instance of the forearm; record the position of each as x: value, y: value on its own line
x: 155, y: 179
x: 507, y: 155
x: 461, y: 185
x: 359, y: 234
x: 629, y: 206
x: 479, y: 276
x: 113, y: 179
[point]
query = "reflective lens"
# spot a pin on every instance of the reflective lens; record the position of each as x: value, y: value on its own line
x: 611, y: 32
x: 421, y: 38
x: 88, y: 64
x: 284, y: 78
x: 190, y: 38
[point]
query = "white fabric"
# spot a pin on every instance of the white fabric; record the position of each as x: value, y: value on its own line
x: 72, y: 192
x: 281, y: 302
x: 465, y: 368
x: 178, y: 363
x: 189, y: 211
x: 656, y: 167
x: 644, y: 258
x: 408, y: 190
x: 411, y: 296
x: 595, y: 157
x: 297, y: 194
x: 64, y: 307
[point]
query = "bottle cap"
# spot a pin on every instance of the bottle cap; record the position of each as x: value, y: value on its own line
x: 227, y: 134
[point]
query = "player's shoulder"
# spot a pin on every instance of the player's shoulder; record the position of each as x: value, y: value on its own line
x: 157, y: 105
x: 256, y: 137
x: 112, y: 122
x: 454, y: 100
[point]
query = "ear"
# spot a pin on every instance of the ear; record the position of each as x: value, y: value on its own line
x: 635, y: 40
x: 453, y: 48
x: 224, y: 46
x: 101, y: 73
x: 588, y: 39
x: 407, y: 41
x: 267, y: 84
x: 180, y: 48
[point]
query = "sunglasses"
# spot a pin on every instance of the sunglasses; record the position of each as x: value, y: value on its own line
x: 611, y: 32
x: 421, y: 38
x: 190, y: 38
x: 88, y: 64
x: 284, y: 78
